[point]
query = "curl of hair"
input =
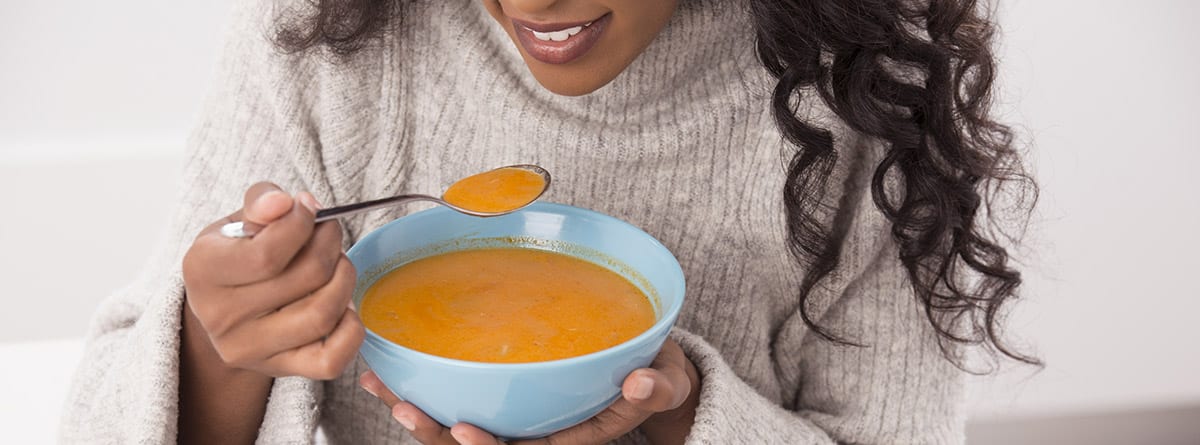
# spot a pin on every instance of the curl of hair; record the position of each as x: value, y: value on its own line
x: 916, y: 74
x: 341, y: 26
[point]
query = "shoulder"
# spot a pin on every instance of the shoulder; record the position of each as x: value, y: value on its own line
x: 301, y: 82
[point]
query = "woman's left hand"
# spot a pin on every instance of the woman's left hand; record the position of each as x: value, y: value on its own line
x: 661, y: 399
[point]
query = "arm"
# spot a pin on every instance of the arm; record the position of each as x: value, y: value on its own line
x: 217, y: 402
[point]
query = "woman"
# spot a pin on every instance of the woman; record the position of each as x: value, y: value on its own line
x: 818, y: 167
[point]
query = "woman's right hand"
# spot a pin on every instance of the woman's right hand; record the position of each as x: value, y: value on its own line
x: 278, y: 303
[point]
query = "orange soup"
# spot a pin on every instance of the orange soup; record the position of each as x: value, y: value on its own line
x: 499, y: 190
x: 506, y: 305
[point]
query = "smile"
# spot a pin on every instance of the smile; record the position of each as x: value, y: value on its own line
x: 559, y: 43
x: 560, y: 35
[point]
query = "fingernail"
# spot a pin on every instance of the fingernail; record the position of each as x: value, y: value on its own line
x: 368, y: 390
x: 405, y: 422
x: 265, y: 196
x: 642, y: 387
x: 459, y: 436
x: 308, y: 200
x: 350, y: 306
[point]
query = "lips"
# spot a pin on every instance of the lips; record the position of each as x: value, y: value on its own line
x: 559, y: 43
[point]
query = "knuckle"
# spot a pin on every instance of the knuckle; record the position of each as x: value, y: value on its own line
x: 313, y: 274
x: 328, y: 366
x: 330, y: 231
x: 262, y: 259
x: 336, y: 227
x: 346, y: 274
x: 327, y: 249
x: 194, y: 264
x: 329, y: 265
x: 190, y: 277
x: 320, y: 320
x: 212, y: 318
x: 214, y: 323
x: 348, y: 266
x: 232, y: 355
x: 360, y: 333
x: 330, y: 319
x: 357, y: 334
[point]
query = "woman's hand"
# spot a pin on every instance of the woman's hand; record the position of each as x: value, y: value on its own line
x: 269, y: 306
x: 277, y: 304
x: 661, y: 399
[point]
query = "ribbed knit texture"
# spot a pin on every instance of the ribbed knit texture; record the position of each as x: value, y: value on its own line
x: 682, y: 145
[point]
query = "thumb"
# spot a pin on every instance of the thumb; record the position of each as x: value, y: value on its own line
x: 265, y: 202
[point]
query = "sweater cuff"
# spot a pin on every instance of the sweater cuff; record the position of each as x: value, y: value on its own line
x: 731, y: 411
x: 293, y: 411
x: 292, y: 406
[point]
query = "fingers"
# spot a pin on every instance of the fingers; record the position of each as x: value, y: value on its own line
x: 314, y: 266
x: 265, y: 202
x: 272, y: 248
x: 276, y: 303
x: 371, y: 383
x: 647, y: 391
x: 323, y: 359
x: 304, y: 321
x: 615, y: 421
x: 664, y: 386
x: 421, y: 426
x: 467, y: 434
x: 235, y: 262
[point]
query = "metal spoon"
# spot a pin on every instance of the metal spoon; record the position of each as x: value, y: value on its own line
x: 238, y: 229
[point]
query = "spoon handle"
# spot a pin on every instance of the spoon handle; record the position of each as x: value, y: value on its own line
x: 238, y: 229
x: 359, y: 207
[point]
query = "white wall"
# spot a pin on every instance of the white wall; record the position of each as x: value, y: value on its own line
x: 1107, y: 91
x: 103, y: 79
x: 96, y: 99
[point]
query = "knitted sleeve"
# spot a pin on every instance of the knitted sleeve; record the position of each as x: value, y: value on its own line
x: 253, y: 128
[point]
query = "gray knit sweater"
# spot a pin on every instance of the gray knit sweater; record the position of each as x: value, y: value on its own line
x: 682, y: 144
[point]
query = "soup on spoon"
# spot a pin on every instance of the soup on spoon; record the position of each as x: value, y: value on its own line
x: 496, y: 191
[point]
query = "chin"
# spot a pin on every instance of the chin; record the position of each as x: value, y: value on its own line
x: 569, y: 88
x: 569, y: 84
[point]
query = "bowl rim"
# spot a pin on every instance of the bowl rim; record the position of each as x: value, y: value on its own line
x: 665, y: 322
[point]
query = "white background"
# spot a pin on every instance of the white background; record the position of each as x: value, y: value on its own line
x: 97, y: 98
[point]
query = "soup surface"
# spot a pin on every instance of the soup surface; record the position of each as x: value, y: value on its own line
x: 507, y: 305
x: 499, y: 190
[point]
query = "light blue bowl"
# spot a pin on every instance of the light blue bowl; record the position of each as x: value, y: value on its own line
x: 520, y: 400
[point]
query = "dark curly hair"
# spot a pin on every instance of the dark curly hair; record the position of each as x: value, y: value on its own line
x: 916, y: 75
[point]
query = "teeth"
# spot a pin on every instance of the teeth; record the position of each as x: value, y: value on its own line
x: 560, y: 35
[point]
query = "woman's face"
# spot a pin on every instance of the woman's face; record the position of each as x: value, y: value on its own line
x: 574, y: 47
